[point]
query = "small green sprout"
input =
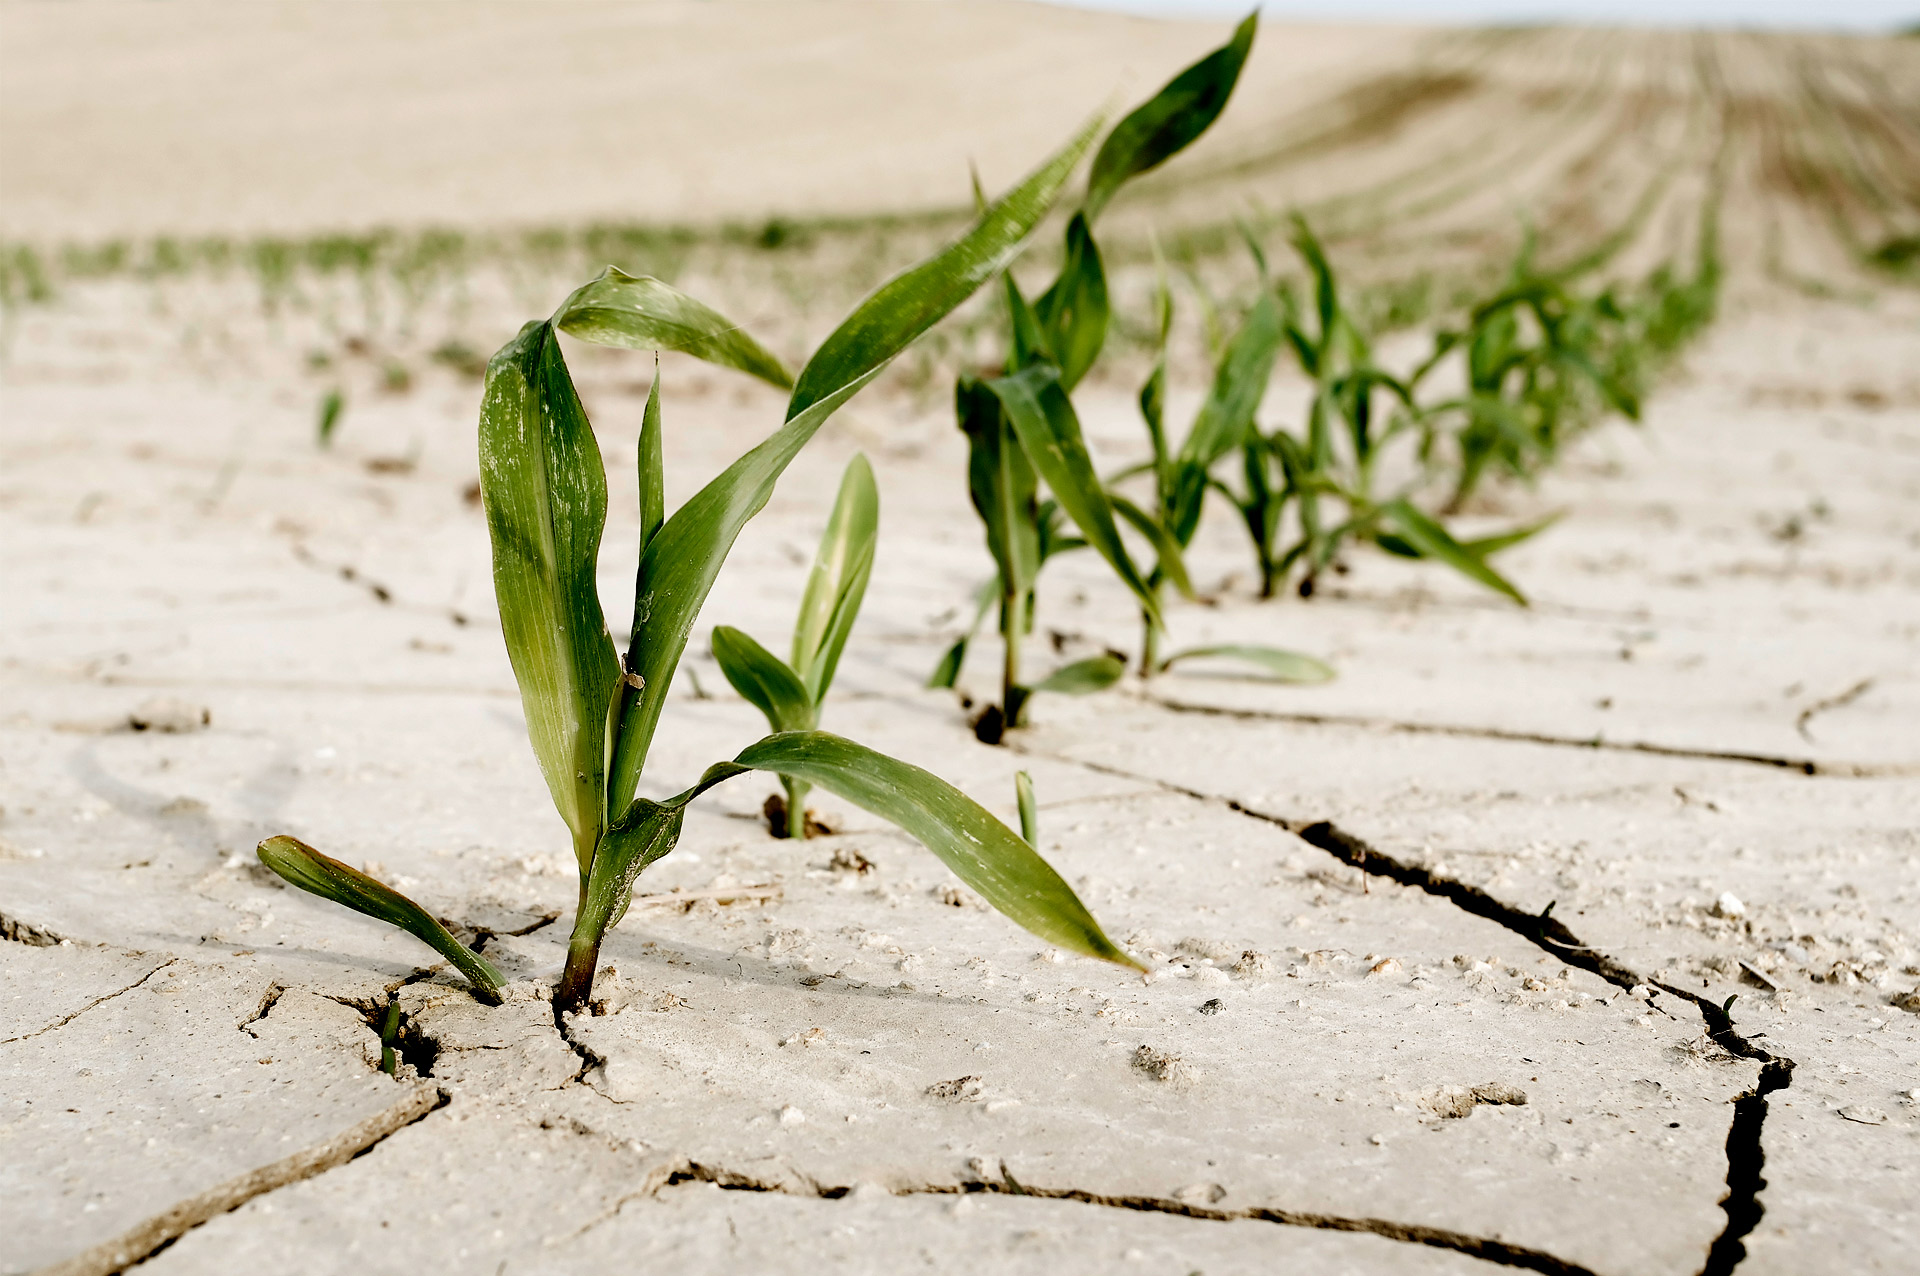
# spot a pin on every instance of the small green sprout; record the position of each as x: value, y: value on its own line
x: 1029, y: 812
x: 332, y: 404
x: 389, y: 1033
x: 591, y: 713
x: 791, y: 694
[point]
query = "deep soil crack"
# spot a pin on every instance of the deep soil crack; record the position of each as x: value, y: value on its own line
x: 1745, y: 1153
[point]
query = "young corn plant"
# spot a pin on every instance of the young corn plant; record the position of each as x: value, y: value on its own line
x: 791, y: 694
x: 591, y: 712
x: 1182, y: 478
x: 1021, y: 427
x: 1356, y: 410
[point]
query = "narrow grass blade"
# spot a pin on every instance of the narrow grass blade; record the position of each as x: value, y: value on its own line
x: 1166, y: 549
x: 641, y: 313
x: 1170, y: 120
x: 1049, y: 432
x: 1239, y: 384
x: 764, y: 679
x: 947, y: 672
x: 1483, y: 546
x: 328, y: 878
x: 887, y: 322
x: 1433, y: 541
x: 1074, y: 311
x: 1277, y: 664
x: 982, y: 852
x: 1029, y: 811
x: 1083, y: 677
x: 652, y: 465
x: 545, y: 493
x: 838, y: 581
x: 332, y: 405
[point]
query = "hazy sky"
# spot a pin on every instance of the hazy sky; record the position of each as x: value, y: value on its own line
x: 1859, y: 15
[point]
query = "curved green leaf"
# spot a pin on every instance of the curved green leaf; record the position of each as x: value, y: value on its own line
x: 1434, y: 541
x: 651, y: 463
x: 1043, y: 418
x: 1083, y: 677
x: 887, y: 322
x: 545, y: 492
x: 982, y: 852
x: 1280, y: 665
x: 328, y: 878
x: 764, y: 679
x: 1170, y: 120
x: 1001, y: 484
x: 1239, y: 384
x: 1485, y: 545
x: 1029, y: 810
x: 838, y: 581
x: 638, y: 312
x: 947, y: 672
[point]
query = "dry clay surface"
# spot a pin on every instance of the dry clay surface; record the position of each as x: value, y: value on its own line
x: 1438, y: 950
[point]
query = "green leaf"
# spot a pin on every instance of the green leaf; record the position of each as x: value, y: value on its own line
x: 1239, y: 384
x: 1029, y: 811
x: 982, y: 852
x: 1083, y: 677
x: 1483, y: 546
x: 1001, y: 484
x: 1434, y: 541
x: 680, y: 563
x: 947, y: 672
x: 1170, y: 120
x: 328, y: 878
x: 1281, y: 666
x: 677, y: 570
x: 887, y: 322
x: 764, y: 679
x: 1166, y: 549
x: 546, y: 500
x: 1074, y: 310
x: 652, y: 464
x: 641, y: 313
x: 1043, y: 418
x: 838, y: 580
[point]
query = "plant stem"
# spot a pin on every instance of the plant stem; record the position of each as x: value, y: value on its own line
x: 583, y: 955
x: 797, y: 791
x: 1149, y: 646
x: 1010, y: 698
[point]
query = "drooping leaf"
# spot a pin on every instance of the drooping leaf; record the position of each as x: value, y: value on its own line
x: 1049, y: 432
x: 545, y: 493
x: 764, y: 679
x: 1277, y: 664
x: 1170, y: 120
x: 1435, y: 542
x: 838, y: 581
x: 328, y: 878
x: 1074, y: 311
x: 887, y: 322
x: 1029, y: 810
x: 641, y: 313
x: 1481, y: 547
x: 982, y: 852
x: 1083, y: 677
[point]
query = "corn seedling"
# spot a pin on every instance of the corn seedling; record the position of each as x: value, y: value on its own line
x: 591, y: 714
x: 791, y: 694
x: 1020, y: 425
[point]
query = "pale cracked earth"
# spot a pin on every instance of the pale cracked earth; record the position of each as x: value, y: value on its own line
x: 1439, y: 951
